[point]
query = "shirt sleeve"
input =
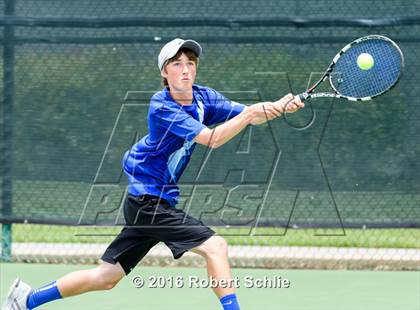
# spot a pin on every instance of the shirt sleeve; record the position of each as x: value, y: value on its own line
x: 221, y: 108
x: 178, y: 122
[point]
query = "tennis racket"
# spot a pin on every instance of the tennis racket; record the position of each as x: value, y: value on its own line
x: 357, y: 79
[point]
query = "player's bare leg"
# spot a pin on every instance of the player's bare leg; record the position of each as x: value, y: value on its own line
x: 103, y: 277
x: 215, y: 251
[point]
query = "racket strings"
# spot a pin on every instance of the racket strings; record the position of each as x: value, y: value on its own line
x: 350, y: 80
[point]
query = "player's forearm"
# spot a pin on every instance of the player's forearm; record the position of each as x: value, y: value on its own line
x: 266, y: 111
x: 228, y: 130
x: 225, y: 132
x: 259, y: 120
x: 270, y: 110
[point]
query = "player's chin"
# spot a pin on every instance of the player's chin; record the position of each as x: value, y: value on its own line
x: 184, y: 87
x: 186, y: 84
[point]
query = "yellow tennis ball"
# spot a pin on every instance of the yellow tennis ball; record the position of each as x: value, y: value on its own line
x: 365, y: 61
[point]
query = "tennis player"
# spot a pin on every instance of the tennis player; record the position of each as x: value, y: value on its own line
x: 178, y: 119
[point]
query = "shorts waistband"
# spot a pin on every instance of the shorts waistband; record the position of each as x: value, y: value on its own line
x: 150, y: 200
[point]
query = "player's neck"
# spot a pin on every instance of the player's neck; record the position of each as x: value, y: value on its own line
x: 182, y: 97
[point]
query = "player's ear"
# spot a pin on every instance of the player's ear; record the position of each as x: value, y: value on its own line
x: 163, y: 72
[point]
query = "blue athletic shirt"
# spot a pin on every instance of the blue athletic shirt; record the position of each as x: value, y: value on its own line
x: 155, y: 163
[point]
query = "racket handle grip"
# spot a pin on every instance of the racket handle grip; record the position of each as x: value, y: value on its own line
x: 303, y: 96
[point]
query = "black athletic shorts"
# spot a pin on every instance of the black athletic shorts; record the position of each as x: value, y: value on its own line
x: 149, y: 220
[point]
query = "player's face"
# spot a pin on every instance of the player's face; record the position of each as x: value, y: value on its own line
x: 180, y: 73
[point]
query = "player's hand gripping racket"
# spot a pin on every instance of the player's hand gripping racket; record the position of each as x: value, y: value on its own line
x: 362, y: 70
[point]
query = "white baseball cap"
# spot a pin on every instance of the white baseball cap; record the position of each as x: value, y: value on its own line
x: 171, y: 48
